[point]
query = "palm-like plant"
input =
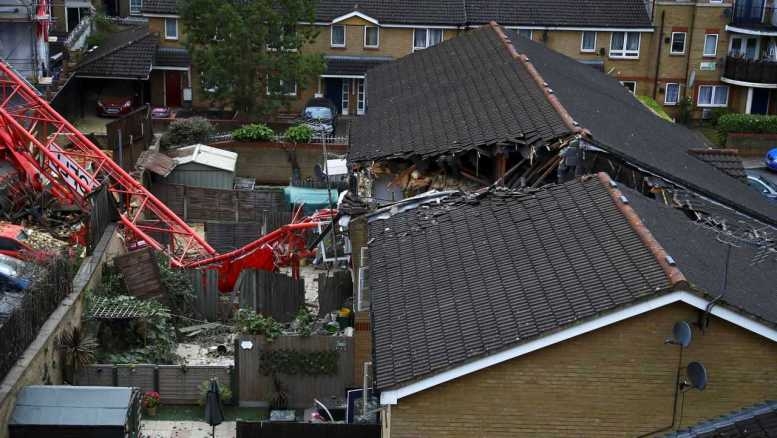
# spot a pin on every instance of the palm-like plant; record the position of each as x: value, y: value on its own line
x: 79, y: 348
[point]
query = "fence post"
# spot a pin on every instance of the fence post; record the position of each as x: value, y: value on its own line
x: 235, y: 377
x: 156, y: 378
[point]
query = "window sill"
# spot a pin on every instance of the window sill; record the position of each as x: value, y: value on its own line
x: 167, y: 38
x: 625, y: 58
x: 587, y: 51
x: 338, y: 47
x: 371, y: 47
x: 670, y: 104
x: 712, y: 106
x: 676, y: 53
x: 709, y: 56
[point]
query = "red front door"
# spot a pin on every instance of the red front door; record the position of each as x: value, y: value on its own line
x: 173, y: 88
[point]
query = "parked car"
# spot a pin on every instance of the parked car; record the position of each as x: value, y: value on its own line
x: 13, y: 274
x: 115, y: 101
x: 13, y: 244
x: 320, y: 115
x: 771, y: 159
x: 766, y: 187
x: 162, y: 112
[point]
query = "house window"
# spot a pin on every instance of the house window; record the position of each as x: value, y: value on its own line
x: 588, y: 41
x: 624, y: 45
x: 711, y: 44
x: 672, y: 94
x: 371, y: 37
x: 135, y: 7
x: 713, y: 96
x: 423, y: 38
x: 526, y: 33
x: 744, y: 47
x: 282, y: 88
x: 630, y: 85
x: 171, y: 29
x: 337, y: 37
x: 678, y: 43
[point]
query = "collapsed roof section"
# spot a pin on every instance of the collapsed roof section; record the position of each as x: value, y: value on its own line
x: 465, y: 277
x: 464, y: 94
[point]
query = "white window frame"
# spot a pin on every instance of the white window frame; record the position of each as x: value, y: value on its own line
x: 332, y: 35
x: 630, y: 82
x: 360, y: 97
x: 704, y: 48
x: 624, y: 53
x: 582, y: 41
x: 428, y: 31
x: 281, y: 83
x: 136, y: 11
x: 377, y: 39
x: 167, y: 35
x: 666, y: 93
x: 671, y: 43
x: 712, y: 97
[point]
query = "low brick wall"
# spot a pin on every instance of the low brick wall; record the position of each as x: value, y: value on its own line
x: 751, y: 145
x: 41, y: 362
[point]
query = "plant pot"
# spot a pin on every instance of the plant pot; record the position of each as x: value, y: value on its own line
x: 151, y: 411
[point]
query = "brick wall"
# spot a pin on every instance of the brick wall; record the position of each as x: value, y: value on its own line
x: 362, y: 346
x: 617, y: 381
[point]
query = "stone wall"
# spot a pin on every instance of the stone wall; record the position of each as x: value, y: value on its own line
x: 42, y: 362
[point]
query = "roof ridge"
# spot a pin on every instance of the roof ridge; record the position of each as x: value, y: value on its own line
x: 673, y: 273
x: 119, y: 47
x: 546, y: 90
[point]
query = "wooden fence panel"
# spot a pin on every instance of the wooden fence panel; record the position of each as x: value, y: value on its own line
x: 268, y: 429
x: 209, y: 302
x: 301, y: 390
x: 276, y: 295
x: 333, y: 291
x: 95, y: 375
x: 140, y: 376
x: 141, y: 273
x: 178, y: 385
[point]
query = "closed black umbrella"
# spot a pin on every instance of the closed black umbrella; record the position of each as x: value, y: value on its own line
x: 214, y: 415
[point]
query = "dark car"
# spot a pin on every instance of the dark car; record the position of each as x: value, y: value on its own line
x: 320, y: 115
x: 115, y: 101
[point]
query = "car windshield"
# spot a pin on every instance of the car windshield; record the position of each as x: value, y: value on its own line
x: 318, y: 113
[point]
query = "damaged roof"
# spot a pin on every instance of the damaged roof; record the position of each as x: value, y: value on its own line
x: 467, y: 277
x: 626, y: 129
x: 464, y: 93
x: 128, y: 54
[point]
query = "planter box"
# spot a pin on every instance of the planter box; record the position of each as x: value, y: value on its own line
x: 753, y: 145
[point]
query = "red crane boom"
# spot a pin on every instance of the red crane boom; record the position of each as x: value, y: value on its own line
x: 54, y: 155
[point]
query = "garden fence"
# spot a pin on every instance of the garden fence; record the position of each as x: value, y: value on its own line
x: 271, y: 294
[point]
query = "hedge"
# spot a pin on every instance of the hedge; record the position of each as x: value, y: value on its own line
x: 750, y: 123
x: 253, y: 132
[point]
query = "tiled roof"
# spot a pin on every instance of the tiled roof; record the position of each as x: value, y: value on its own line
x: 563, y: 13
x: 461, y: 94
x: 725, y: 160
x: 127, y: 54
x: 758, y: 421
x: 168, y: 7
x: 578, y: 13
x: 352, y: 65
x: 625, y: 128
x: 172, y: 57
x: 469, y: 276
x: 700, y: 251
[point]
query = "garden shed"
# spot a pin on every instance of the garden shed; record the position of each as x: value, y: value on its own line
x: 203, y: 166
x: 76, y: 412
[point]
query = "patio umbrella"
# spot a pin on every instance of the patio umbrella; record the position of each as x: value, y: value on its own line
x: 213, y: 412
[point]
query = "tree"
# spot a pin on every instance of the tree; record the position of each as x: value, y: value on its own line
x: 250, y: 53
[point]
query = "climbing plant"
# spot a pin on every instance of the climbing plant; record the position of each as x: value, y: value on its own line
x: 298, y: 363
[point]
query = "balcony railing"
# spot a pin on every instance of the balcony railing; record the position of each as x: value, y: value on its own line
x: 747, y: 70
x: 754, y: 14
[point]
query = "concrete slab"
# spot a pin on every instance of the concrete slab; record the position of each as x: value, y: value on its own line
x: 186, y: 429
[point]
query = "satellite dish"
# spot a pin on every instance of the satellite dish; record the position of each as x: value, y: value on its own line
x: 697, y: 374
x: 681, y: 334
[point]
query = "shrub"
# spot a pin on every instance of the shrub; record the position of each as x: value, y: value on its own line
x: 717, y: 113
x: 253, y: 132
x: 750, y: 123
x: 185, y: 132
x: 299, y: 134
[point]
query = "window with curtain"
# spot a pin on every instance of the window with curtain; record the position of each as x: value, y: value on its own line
x: 678, y: 43
x: 338, y: 36
x: 588, y: 42
x: 423, y: 38
x: 713, y: 96
x: 171, y: 29
x: 672, y: 94
x: 371, y: 36
x: 419, y: 38
x: 710, y: 45
x: 624, y: 45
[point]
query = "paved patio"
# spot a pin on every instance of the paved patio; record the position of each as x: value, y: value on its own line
x: 186, y: 429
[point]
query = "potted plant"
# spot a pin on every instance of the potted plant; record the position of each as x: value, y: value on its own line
x: 150, y: 402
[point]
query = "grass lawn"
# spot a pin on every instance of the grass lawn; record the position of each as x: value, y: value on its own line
x: 196, y: 413
x: 655, y: 107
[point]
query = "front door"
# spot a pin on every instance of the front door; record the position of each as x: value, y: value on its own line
x: 173, y: 89
x: 332, y: 90
x: 760, y: 102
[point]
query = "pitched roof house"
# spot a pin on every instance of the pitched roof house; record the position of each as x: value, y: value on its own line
x: 546, y: 311
x: 486, y: 102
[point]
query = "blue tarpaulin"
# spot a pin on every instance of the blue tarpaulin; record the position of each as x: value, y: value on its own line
x: 313, y: 199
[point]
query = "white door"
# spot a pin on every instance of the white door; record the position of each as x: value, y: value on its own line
x: 346, y: 95
x: 359, y: 97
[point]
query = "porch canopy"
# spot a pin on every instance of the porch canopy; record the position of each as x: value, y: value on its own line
x: 351, y: 66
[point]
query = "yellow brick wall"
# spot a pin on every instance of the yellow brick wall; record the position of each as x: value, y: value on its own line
x: 617, y: 381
